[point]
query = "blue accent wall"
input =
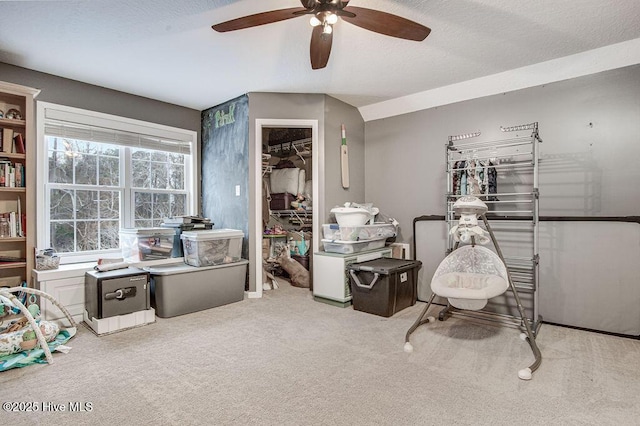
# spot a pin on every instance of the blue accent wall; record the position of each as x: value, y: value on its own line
x: 225, y: 165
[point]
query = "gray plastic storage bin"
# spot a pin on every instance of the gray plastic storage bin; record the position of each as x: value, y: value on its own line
x: 179, y: 289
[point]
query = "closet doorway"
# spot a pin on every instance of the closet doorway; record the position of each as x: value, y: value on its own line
x: 292, y: 149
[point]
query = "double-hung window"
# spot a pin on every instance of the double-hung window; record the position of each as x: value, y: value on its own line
x: 100, y: 173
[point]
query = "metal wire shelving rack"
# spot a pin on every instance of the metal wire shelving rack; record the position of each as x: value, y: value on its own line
x: 513, y: 203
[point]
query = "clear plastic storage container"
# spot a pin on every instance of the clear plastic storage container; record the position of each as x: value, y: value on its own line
x: 333, y: 231
x: 139, y: 244
x: 349, y: 247
x: 179, y: 228
x: 212, y: 247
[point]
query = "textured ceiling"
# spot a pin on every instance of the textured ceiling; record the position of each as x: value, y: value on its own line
x: 166, y: 49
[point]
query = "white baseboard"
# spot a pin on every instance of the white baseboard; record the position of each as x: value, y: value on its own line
x: 253, y: 294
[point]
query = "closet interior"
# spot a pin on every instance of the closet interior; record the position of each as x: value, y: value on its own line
x: 286, y: 198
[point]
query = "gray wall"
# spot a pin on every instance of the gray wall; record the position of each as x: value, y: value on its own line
x: 76, y: 94
x: 276, y: 106
x: 590, y: 128
x: 73, y: 93
x: 330, y: 113
x: 336, y: 114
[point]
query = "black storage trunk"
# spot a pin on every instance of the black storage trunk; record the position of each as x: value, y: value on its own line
x: 384, y: 286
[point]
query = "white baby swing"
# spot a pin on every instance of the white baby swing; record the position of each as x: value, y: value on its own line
x: 471, y: 274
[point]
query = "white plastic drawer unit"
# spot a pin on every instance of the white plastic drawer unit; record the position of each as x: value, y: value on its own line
x: 330, y: 276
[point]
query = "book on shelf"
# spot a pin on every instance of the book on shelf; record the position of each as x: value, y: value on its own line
x: 12, y: 141
x: 18, y: 143
x: 19, y: 173
x: 13, y: 230
x: 11, y: 174
x: 7, y: 139
x: 16, y: 223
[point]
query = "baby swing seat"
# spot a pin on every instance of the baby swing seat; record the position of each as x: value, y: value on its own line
x: 469, y: 276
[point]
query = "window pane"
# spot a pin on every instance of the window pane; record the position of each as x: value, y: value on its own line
x: 87, y: 235
x: 86, y: 204
x: 111, y: 150
x: 62, y: 237
x: 141, y: 177
x: 109, y: 205
x: 85, y: 147
x: 54, y: 143
x: 176, y: 177
x: 176, y: 158
x: 179, y: 204
x: 152, y: 208
x: 109, y: 234
x: 60, y: 167
x: 140, y: 154
x: 161, y: 206
x: 144, y: 206
x: 61, y: 202
x: 158, y: 175
x: 109, y: 171
x: 159, y: 156
x: 86, y: 169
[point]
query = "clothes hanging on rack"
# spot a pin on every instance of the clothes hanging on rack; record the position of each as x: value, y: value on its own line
x: 492, y: 181
x: 475, y: 177
x: 463, y: 180
x: 459, y: 178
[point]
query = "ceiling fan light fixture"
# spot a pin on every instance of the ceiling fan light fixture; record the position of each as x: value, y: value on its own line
x: 323, y: 14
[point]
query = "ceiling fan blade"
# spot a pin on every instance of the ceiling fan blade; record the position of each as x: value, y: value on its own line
x: 258, y: 19
x: 320, y: 48
x: 342, y: 12
x: 386, y: 23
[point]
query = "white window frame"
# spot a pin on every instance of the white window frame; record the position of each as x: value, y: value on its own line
x: 98, y: 119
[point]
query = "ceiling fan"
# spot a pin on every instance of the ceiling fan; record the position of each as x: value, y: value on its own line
x: 325, y: 13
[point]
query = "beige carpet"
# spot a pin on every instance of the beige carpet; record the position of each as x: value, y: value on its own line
x: 288, y: 360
